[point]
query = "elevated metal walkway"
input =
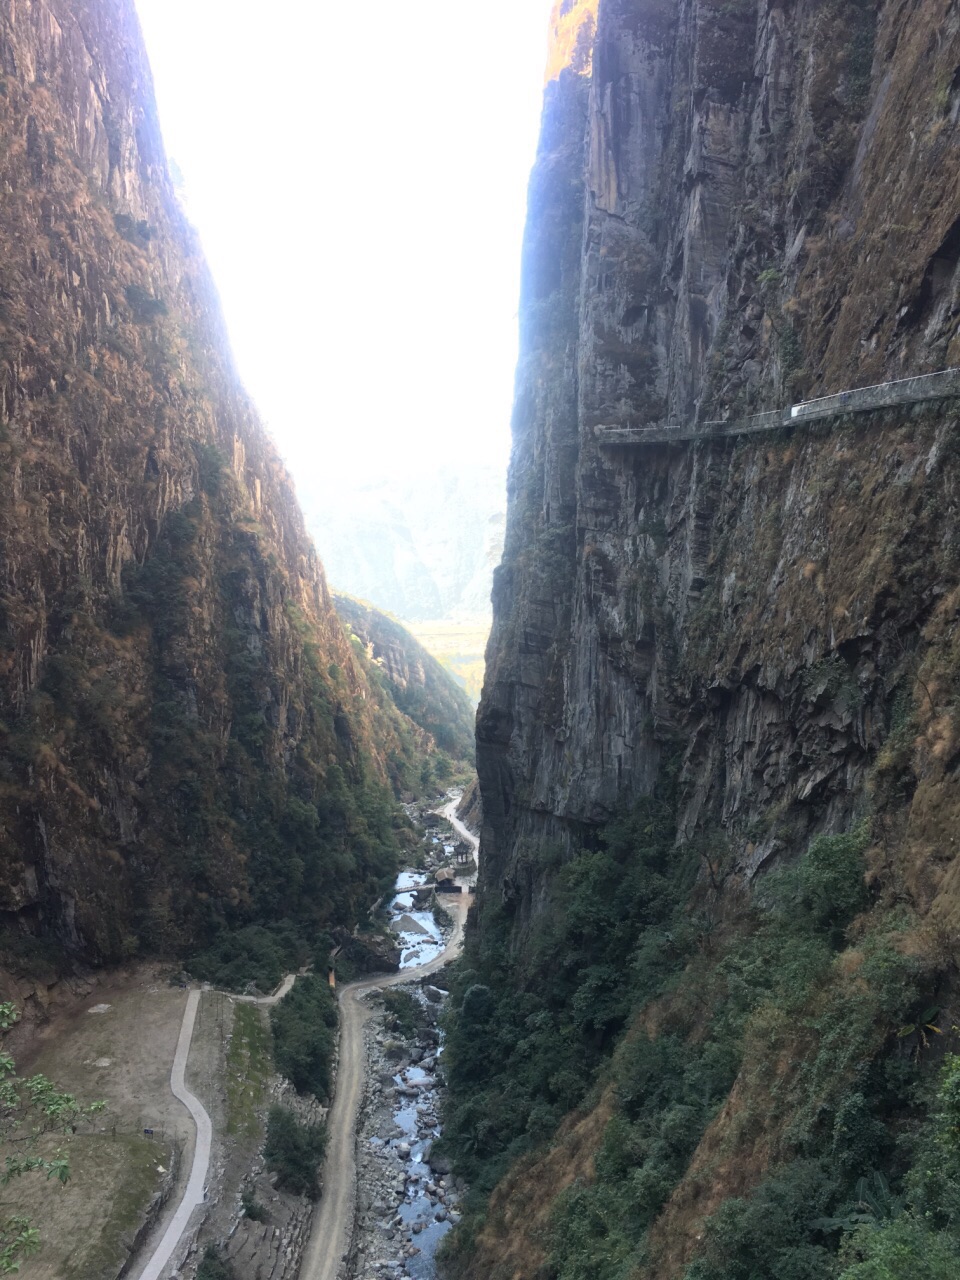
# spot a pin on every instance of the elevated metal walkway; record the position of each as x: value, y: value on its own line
x: 944, y: 385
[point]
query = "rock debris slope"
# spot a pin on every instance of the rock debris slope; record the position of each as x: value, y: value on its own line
x: 187, y: 736
x: 734, y: 206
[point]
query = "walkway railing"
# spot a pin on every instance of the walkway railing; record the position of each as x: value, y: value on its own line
x: 944, y: 385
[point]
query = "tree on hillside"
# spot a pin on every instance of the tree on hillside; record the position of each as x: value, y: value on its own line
x: 30, y: 1107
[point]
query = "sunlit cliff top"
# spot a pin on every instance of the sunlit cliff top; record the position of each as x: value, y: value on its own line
x: 573, y: 24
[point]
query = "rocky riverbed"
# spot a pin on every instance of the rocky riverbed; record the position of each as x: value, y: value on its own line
x: 407, y: 1200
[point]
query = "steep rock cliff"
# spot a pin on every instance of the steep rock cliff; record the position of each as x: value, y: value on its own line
x: 695, y: 121
x: 735, y: 205
x: 187, y: 737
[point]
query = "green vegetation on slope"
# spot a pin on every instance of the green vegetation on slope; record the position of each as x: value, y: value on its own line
x: 777, y: 983
x: 811, y: 1219
x: 213, y: 1267
x: 417, y: 682
x: 303, y: 830
x: 284, y: 821
x: 812, y: 999
x: 253, y: 954
x: 248, y: 1070
x: 271, y: 840
x: 304, y: 1026
x: 294, y: 1151
x: 528, y: 1037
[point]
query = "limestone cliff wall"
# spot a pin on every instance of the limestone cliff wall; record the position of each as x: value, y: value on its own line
x: 172, y: 671
x: 733, y: 206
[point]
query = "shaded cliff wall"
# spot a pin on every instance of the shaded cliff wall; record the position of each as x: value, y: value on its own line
x: 686, y: 254
x: 187, y: 737
x: 734, y: 206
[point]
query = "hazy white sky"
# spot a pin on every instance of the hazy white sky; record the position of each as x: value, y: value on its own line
x: 358, y: 175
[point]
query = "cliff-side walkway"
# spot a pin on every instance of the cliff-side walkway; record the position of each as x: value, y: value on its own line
x: 944, y: 385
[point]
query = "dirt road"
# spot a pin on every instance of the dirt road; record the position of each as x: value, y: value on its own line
x: 450, y: 813
x: 269, y: 1001
x: 330, y: 1238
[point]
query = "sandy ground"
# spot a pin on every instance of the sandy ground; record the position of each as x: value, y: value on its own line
x: 121, y: 1054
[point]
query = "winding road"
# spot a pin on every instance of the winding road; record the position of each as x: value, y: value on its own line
x: 330, y: 1237
x: 333, y: 1221
x: 193, y: 1195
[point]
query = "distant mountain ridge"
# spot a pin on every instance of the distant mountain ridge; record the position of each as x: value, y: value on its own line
x: 421, y: 546
x: 416, y: 682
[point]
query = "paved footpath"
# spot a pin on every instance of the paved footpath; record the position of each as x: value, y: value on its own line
x: 194, y: 1193
x: 193, y: 1196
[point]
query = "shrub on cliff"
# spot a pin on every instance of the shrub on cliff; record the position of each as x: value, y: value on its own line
x: 905, y: 1247
x: 405, y: 1014
x: 304, y: 1035
x: 743, y: 1007
x: 293, y: 1151
x: 523, y: 1047
x: 213, y: 1267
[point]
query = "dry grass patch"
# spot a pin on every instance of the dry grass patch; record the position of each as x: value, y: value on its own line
x: 88, y: 1226
x: 514, y: 1240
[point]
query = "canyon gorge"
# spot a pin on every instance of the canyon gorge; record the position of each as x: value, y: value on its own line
x: 704, y: 1026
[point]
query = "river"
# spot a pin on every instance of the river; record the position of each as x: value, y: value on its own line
x: 329, y: 1255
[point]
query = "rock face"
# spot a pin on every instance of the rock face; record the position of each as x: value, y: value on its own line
x: 187, y: 734
x: 417, y: 682
x: 716, y: 225
x: 734, y: 206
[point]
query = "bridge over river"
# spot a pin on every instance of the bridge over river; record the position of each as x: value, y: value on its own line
x: 944, y: 385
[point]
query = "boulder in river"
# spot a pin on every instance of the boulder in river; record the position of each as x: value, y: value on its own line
x: 407, y: 924
x: 368, y: 952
